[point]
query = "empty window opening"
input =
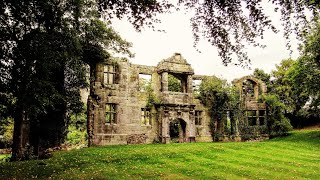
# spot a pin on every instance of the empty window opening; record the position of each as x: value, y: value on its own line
x: 198, y: 117
x: 252, y: 118
x: 248, y: 88
x: 196, y: 87
x: 111, y: 113
x: 145, y: 116
x: 228, y: 123
x: 110, y: 74
x: 145, y: 82
x: 176, y: 83
x: 262, y: 118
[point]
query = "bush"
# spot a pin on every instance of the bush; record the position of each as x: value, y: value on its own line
x: 76, y: 136
x: 278, y: 124
x: 77, y: 131
x: 6, y: 133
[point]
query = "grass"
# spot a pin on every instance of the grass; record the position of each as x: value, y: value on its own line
x: 294, y: 156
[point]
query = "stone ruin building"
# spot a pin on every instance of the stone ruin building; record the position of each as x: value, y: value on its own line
x: 121, y: 112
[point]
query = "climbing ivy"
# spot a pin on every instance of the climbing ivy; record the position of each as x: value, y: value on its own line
x: 216, y: 95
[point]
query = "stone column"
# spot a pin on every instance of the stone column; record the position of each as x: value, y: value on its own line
x: 164, y: 81
x: 189, y: 84
x: 99, y: 73
x: 191, y: 126
x: 256, y: 91
x: 165, y: 128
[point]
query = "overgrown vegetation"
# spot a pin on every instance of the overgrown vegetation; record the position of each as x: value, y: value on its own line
x: 214, y: 94
x: 77, y: 130
x: 278, y: 124
x: 45, y: 44
x: 6, y: 133
x: 42, y: 66
x: 296, y: 156
x: 146, y: 87
x: 296, y: 82
x: 174, y: 84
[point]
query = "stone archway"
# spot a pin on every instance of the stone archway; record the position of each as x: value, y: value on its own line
x: 177, y: 130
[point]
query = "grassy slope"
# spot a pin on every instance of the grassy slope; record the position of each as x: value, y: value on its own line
x: 295, y: 156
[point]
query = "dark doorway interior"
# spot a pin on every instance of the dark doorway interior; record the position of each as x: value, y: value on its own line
x: 178, y: 131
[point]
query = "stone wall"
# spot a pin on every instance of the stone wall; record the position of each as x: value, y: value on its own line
x: 118, y: 111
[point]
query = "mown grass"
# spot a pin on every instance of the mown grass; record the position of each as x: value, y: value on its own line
x: 294, y: 156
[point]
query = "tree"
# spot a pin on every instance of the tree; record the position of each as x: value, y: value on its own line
x: 174, y: 84
x: 278, y: 124
x: 312, y: 43
x: 44, y: 47
x: 227, y: 25
x: 304, y: 76
x: 214, y: 95
x: 281, y: 86
x: 263, y: 76
x: 231, y: 25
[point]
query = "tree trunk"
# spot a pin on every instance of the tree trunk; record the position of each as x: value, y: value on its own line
x: 20, y: 135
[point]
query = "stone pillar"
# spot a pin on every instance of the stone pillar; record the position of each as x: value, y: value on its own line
x: 189, y: 84
x: 90, y: 121
x: 191, y: 126
x: 256, y: 91
x: 164, y: 81
x: 165, y: 128
x: 100, y: 73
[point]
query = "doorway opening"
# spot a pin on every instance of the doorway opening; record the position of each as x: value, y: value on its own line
x: 178, y: 131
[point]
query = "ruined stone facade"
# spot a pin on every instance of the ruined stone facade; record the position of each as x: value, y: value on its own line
x: 252, y: 120
x: 121, y: 112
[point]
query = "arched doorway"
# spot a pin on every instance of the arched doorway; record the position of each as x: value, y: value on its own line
x: 177, y: 130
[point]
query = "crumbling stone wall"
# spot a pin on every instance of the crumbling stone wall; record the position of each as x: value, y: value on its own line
x: 119, y: 113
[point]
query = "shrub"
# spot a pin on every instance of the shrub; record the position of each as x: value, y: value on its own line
x: 6, y: 133
x: 278, y: 124
x: 77, y: 131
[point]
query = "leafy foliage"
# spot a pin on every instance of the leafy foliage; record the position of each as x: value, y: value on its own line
x: 230, y: 25
x: 263, y: 76
x: 145, y: 86
x: 77, y: 131
x: 174, y: 84
x: 311, y: 44
x: 43, y: 51
x: 278, y: 124
x: 214, y: 95
x: 6, y: 133
x: 227, y: 25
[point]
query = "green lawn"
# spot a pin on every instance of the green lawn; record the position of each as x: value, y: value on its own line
x: 295, y: 156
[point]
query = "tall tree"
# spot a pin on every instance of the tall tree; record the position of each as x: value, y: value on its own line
x: 214, y: 94
x: 44, y: 47
x: 304, y: 76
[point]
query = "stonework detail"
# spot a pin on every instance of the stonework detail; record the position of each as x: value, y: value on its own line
x: 119, y: 112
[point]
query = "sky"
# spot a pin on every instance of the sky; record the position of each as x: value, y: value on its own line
x: 150, y: 47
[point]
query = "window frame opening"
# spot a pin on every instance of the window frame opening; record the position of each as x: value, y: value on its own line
x: 146, y: 117
x: 110, y: 74
x: 111, y: 113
